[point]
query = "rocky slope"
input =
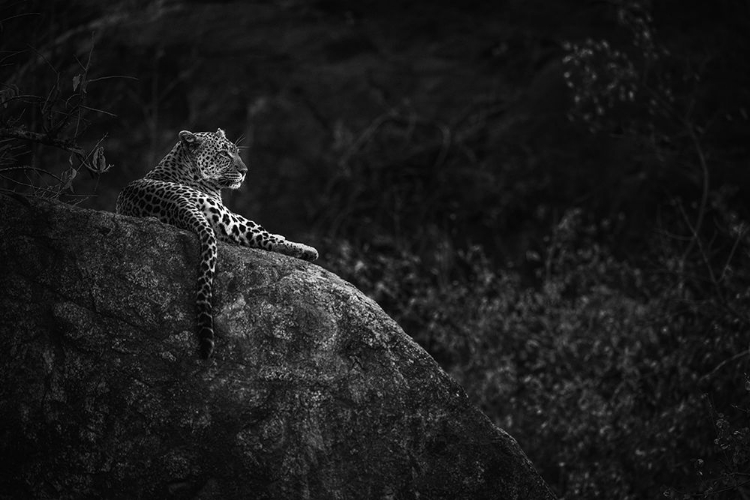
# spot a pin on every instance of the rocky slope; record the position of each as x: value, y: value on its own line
x: 313, y: 392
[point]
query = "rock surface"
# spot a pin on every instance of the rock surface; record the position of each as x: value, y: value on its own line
x: 314, y: 392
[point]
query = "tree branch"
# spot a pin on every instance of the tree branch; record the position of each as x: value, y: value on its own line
x: 64, y: 144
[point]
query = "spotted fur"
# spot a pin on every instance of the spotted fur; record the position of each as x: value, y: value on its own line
x: 184, y: 190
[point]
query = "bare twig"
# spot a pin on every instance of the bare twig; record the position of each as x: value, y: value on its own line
x: 695, y: 229
x: 32, y: 169
x: 64, y: 144
x: 726, y: 362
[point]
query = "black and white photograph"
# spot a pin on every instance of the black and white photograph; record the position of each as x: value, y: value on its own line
x: 383, y: 249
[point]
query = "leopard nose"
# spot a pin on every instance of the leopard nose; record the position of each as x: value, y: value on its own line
x: 241, y: 168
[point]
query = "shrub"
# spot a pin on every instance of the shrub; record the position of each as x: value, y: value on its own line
x: 46, y: 111
x: 601, y: 369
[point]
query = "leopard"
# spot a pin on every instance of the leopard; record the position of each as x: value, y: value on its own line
x: 185, y: 190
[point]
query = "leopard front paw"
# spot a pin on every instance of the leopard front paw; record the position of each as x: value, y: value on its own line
x: 298, y: 250
x: 308, y: 253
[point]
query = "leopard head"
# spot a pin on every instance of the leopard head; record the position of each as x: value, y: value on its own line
x: 216, y: 158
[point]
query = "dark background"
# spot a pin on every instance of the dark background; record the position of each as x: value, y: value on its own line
x: 549, y: 196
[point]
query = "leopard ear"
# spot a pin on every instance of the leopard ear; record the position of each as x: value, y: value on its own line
x: 190, y: 140
x: 221, y: 133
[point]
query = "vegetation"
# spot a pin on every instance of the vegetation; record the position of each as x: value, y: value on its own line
x: 571, y: 241
x: 41, y: 110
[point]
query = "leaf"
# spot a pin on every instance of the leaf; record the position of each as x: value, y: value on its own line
x: 76, y: 81
x: 68, y: 178
x: 99, y: 163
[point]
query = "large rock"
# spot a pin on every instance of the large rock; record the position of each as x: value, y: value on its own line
x: 314, y: 392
